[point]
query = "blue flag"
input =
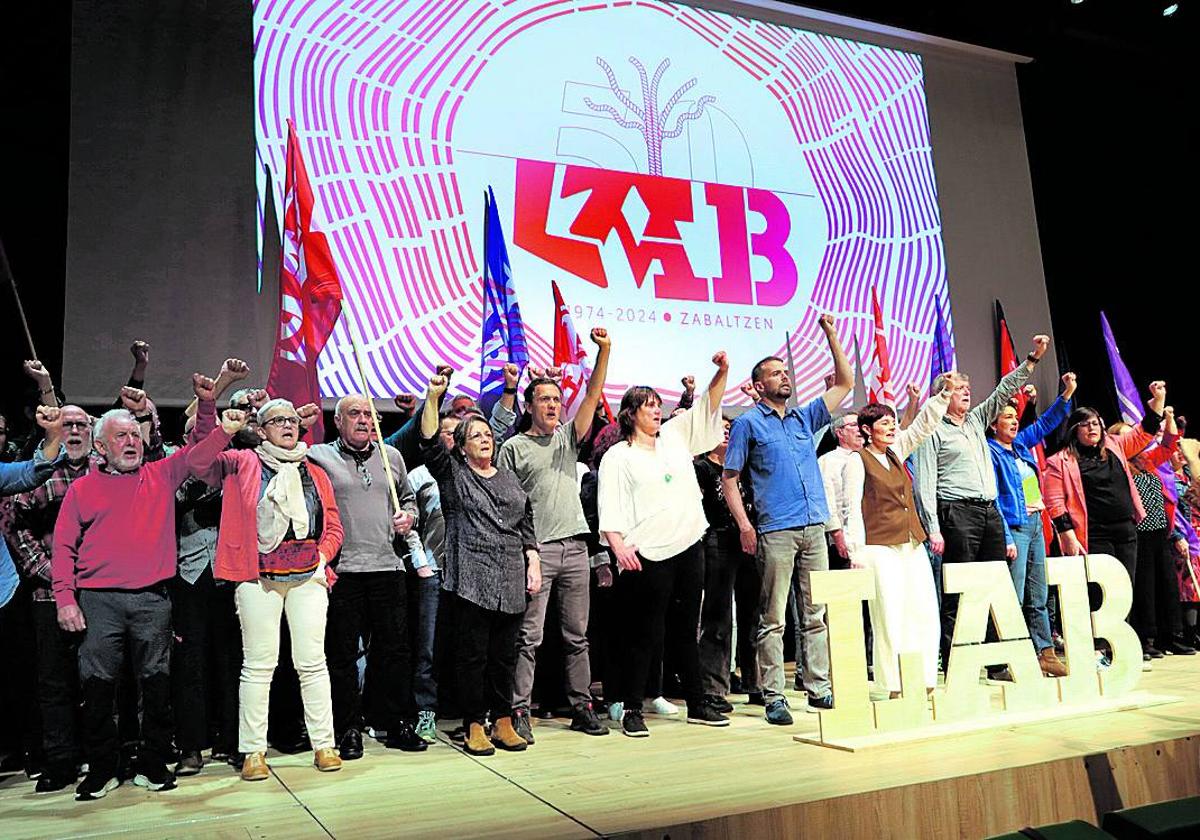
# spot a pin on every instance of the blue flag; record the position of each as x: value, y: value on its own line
x: 1127, y: 393
x: 943, y: 351
x: 503, y: 334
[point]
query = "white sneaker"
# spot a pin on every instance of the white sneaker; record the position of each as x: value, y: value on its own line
x: 662, y: 706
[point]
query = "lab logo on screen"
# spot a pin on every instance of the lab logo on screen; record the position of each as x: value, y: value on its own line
x: 647, y: 212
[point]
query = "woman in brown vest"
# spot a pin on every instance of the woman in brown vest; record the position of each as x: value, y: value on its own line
x: 885, y: 535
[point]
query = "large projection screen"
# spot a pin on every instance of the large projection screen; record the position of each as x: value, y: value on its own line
x: 692, y: 180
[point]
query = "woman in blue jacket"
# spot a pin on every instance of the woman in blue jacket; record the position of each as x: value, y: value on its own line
x: 1019, y: 497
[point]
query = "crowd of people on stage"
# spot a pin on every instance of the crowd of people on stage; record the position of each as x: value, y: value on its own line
x: 171, y: 603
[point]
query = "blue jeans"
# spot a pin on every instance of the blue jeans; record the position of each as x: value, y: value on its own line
x: 423, y: 596
x: 1029, y: 578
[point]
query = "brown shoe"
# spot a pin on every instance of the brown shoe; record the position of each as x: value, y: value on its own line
x: 505, y: 736
x: 1052, y: 666
x: 326, y: 760
x: 254, y: 768
x: 477, y: 742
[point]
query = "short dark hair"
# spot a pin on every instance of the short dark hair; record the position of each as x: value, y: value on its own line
x: 756, y: 373
x: 872, y: 413
x: 635, y: 398
x: 532, y: 387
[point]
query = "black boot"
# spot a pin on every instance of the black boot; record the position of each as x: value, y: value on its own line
x: 350, y: 747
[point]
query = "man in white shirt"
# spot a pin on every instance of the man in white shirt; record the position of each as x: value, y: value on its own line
x: 832, y: 465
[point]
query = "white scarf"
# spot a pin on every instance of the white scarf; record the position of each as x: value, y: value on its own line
x: 283, y: 502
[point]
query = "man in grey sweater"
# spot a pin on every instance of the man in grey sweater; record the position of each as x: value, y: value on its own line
x: 370, y: 597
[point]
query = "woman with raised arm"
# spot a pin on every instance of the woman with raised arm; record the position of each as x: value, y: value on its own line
x: 1088, y: 486
x: 885, y: 535
x: 279, y: 531
x: 1019, y: 497
x: 491, y: 564
x: 652, y: 517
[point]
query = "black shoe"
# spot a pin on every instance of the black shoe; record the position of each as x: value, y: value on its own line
x: 458, y: 734
x: 719, y: 703
x: 999, y: 674
x: 543, y: 713
x: 634, y: 725
x: 1177, y: 647
x: 706, y: 715
x: 190, y: 763
x: 755, y: 698
x: 403, y: 737
x: 1152, y: 651
x: 520, y: 719
x: 350, y: 748
x: 735, y: 684
x: 798, y: 682
x: 52, y: 782
x: 154, y: 777
x: 96, y: 786
x: 820, y: 704
x: 584, y: 720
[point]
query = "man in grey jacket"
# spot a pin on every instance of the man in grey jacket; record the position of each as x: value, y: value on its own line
x: 370, y: 597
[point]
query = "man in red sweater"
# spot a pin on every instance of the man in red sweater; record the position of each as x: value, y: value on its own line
x: 113, y: 553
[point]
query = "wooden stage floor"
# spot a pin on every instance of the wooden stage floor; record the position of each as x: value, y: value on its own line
x: 747, y: 780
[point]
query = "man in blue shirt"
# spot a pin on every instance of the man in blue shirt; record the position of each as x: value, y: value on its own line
x: 776, y: 444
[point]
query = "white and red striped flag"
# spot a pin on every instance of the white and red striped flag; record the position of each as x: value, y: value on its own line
x: 878, y: 381
x: 570, y: 357
x: 310, y: 294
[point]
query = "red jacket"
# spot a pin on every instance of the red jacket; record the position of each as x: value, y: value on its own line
x: 239, y: 473
x: 1062, y: 485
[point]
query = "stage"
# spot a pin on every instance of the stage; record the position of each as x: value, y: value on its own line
x: 750, y: 780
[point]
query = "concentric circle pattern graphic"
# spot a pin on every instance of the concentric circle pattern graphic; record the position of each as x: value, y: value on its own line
x: 375, y: 88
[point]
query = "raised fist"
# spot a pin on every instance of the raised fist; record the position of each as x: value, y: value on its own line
x: 913, y: 390
x: 36, y: 371
x: 600, y: 337
x: 133, y: 400
x: 407, y: 403
x: 512, y: 374
x: 688, y: 382
x: 748, y: 390
x: 204, y: 387
x: 1040, y: 344
x: 445, y: 370
x: 258, y: 398
x: 234, y: 370
x: 50, y: 419
x: 826, y: 323
x: 437, y: 386
x: 721, y: 360
x: 233, y: 420
x: 554, y: 373
x: 1069, y: 385
x: 140, y: 351
x: 1158, y: 390
x: 308, y: 413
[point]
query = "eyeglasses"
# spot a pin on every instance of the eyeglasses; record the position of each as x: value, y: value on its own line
x: 283, y: 421
x: 72, y: 424
x: 1091, y: 424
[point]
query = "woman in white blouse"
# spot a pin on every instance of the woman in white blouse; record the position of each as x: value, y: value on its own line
x: 652, y: 518
x: 885, y: 535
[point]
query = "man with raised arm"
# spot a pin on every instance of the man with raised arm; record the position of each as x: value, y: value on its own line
x: 955, y: 482
x: 777, y: 444
x: 544, y: 459
x: 113, y: 554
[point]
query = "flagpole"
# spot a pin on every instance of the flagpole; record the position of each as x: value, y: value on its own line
x: 362, y: 375
x: 793, y: 400
x: 6, y: 270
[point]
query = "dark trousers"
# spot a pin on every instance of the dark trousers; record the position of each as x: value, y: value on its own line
x: 729, y: 575
x: 487, y: 660
x: 974, y: 533
x: 645, y: 597
x: 423, y: 597
x: 57, y: 689
x: 373, y: 604
x: 206, y: 662
x: 19, y: 720
x: 121, y: 624
x: 1120, y: 542
x: 1156, y: 611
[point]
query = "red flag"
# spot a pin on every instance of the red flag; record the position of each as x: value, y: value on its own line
x: 1008, y: 354
x: 878, y: 385
x: 571, y: 357
x: 310, y: 294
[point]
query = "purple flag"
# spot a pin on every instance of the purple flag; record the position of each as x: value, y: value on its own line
x: 943, y: 351
x: 1127, y: 393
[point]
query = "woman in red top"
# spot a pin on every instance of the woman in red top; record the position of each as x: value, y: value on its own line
x: 279, y: 530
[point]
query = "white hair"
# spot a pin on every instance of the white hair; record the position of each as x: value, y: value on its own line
x: 110, y: 415
x: 337, y: 409
x: 278, y: 402
x: 939, y: 384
